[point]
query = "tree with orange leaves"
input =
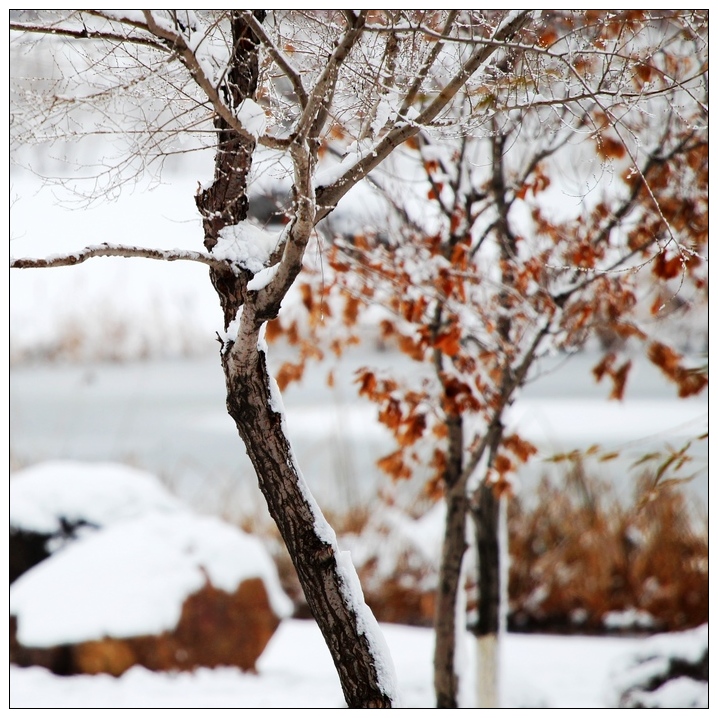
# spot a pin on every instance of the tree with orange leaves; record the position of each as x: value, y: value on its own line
x: 570, y: 208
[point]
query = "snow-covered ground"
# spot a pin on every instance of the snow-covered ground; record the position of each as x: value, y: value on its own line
x: 130, y: 574
x: 296, y: 671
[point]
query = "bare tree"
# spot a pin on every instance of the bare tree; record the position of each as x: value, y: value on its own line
x: 242, y: 82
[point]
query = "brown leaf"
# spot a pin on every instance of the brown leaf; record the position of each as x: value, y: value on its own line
x: 367, y: 381
x: 393, y: 465
x: 619, y: 380
x: 414, y: 428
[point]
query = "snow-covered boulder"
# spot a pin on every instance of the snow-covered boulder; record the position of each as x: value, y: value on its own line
x: 164, y: 590
x: 669, y: 671
x: 55, y: 502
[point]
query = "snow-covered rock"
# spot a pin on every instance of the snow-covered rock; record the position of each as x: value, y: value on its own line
x: 55, y: 502
x: 669, y: 671
x: 166, y: 591
x: 140, y: 579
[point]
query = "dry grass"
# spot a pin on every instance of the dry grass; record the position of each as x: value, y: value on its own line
x: 582, y: 560
x: 581, y: 556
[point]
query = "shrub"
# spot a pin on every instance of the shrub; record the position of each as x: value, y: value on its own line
x: 581, y: 559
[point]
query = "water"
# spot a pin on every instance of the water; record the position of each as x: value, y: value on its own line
x: 168, y: 416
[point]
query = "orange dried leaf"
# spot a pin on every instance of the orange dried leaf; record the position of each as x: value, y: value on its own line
x: 449, y: 342
x: 413, y: 429
x: 273, y: 330
x: 351, y: 310
x: 667, y: 268
x: 523, y: 450
x: 619, y: 380
x: 690, y: 382
x: 502, y: 464
x: 665, y: 358
x: 367, y: 381
x: 501, y: 487
x: 393, y: 465
x: 307, y: 299
x: 610, y: 148
x: 288, y: 373
x: 547, y: 37
x: 604, y: 366
x: 390, y: 414
x: 412, y: 348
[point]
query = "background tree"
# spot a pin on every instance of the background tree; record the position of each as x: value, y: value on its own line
x: 571, y: 207
x: 224, y: 78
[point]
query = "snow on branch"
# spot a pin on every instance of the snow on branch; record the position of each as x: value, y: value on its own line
x: 328, y: 196
x: 279, y: 58
x: 117, y: 250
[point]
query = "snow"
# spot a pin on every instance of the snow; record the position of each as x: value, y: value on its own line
x: 630, y: 618
x: 368, y: 626
x: 252, y: 117
x: 653, y: 658
x: 160, y: 553
x: 232, y: 330
x: 296, y: 671
x: 683, y: 691
x: 132, y: 578
x: 262, y: 278
x: 247, y: 245
x: 99, y: 494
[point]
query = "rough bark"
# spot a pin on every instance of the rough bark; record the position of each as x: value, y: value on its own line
x: 249, y: 402
x: 486, y: 505
x: 486, y: 522
x: 252, y: 405
x: 446, y: 680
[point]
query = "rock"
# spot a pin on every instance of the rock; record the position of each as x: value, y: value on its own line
x: 167, y: 592
x: 216, y: 629
x: 56, y: 502
x: 670, y: 670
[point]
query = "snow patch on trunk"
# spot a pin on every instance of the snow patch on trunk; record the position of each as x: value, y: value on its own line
x: 352, y: 590
x: 368, y: 626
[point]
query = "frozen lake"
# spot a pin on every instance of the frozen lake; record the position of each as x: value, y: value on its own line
x: 169, y: 417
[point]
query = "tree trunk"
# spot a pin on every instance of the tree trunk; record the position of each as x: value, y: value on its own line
x: 446, y: 679
x: 485, y: 513
x: 329, y: 583
x: 485, y: 505
x: 336, y: 606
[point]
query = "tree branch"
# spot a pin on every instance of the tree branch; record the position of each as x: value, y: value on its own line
x: 321, y: 96
x: 430, y: 60
x: 329, y: 196
x: 189, y: 60
x: 86, y: 34
x: 118, y: 250
x: 284, y: 65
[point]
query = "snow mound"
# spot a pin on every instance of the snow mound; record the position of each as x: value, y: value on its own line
x: 668, y: 671
x: 132, y: 578
x: 47, y: 496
